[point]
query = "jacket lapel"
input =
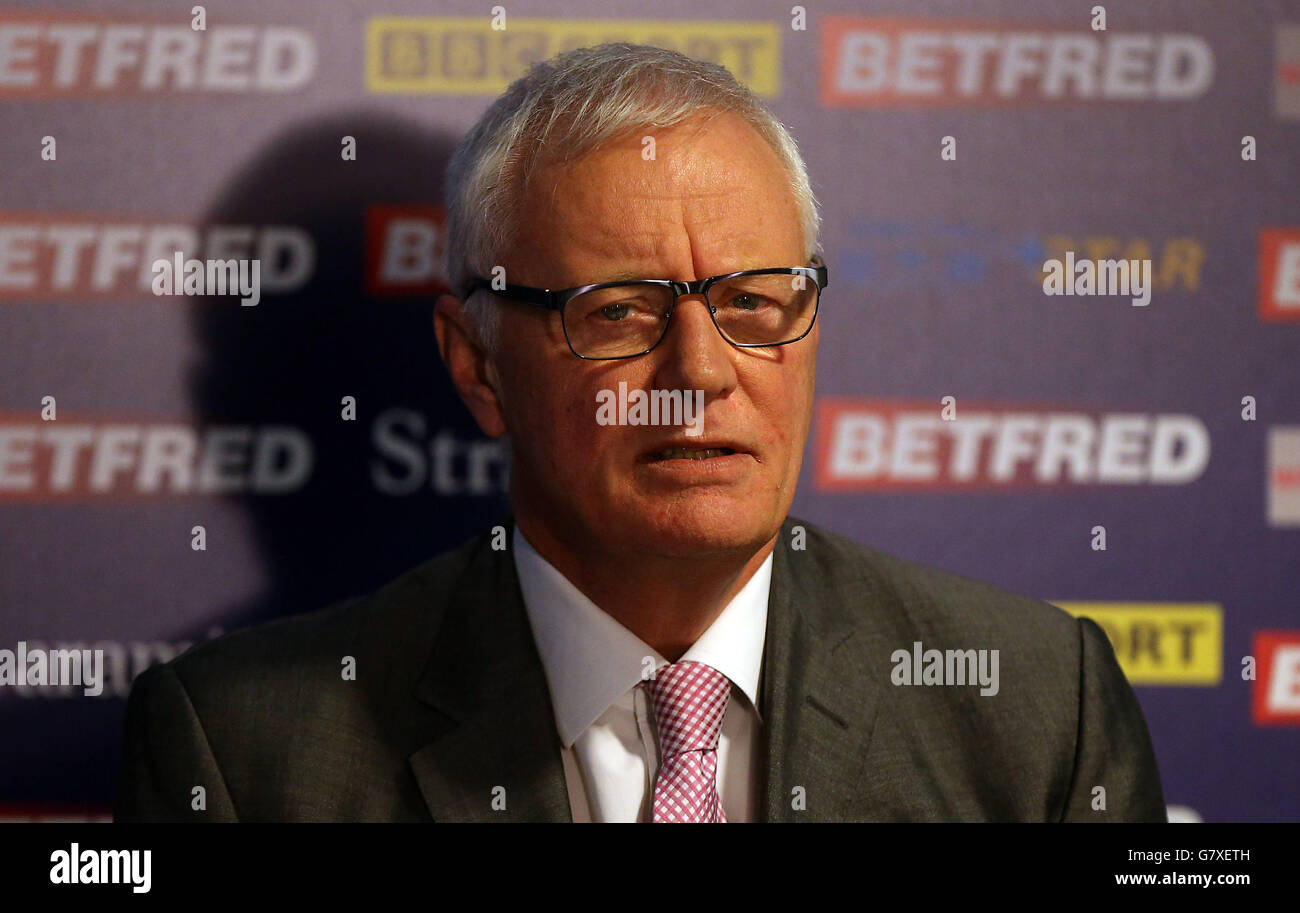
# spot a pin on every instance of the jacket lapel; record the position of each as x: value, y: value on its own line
x: 498, y: 757
x: 821, y: 688
x: 821, y: 691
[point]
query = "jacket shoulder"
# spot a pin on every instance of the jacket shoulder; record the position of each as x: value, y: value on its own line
x: 927, y: 599
x: 1002, y: 727
x: 311, y: 717
x: 351, y: 665
x: 387, y: 634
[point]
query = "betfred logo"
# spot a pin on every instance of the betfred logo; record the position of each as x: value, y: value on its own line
x: 1284, y: 476
x: 872, y: 62
x: 81, y: 255
x: 404, y: 250
x: 1279, y: 273
x: 1276, y: 700
x: 53, y: 54
x: 870, y: 445
x: 119, y: 458
x: 1286, y: 84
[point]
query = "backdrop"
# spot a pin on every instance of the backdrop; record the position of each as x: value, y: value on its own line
x: 175, y: 466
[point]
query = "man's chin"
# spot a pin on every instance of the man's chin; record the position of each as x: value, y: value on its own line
x: 685, y: 529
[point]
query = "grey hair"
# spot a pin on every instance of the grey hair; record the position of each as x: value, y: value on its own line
x: 566, y: 107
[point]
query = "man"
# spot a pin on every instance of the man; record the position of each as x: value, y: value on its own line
x: 653, y: 638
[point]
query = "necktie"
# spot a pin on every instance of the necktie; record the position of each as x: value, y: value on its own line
x: 688, y: 700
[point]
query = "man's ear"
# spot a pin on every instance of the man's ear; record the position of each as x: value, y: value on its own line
x: 472, y: 370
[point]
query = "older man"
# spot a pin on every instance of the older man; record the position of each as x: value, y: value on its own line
x: 654, y: 639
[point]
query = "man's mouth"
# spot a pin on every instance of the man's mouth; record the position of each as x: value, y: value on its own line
x: 689, y: 453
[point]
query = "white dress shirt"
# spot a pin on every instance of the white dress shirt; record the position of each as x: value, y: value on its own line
x: 593, y: 667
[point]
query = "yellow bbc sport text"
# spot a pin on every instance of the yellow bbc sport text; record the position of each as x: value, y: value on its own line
x: 439, y: 55
x: 1161, y: 643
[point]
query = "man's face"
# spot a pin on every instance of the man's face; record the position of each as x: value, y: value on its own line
x: 713, y: 200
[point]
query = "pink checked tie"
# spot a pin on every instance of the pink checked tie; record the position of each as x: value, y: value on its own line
x: 688, y: 700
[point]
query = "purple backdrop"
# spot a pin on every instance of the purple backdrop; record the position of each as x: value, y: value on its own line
x: 128, y: 134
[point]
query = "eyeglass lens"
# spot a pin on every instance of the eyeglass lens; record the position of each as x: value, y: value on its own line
x: 749, y: 310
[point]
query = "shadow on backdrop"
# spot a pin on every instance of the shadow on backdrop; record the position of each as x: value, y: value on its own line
x: 289, y: 361
x: 371, y: 508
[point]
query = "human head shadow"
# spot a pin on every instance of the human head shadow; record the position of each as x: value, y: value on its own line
x: 291, y: 359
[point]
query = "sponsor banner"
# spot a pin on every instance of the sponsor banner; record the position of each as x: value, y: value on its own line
x: 1286, y: 72
x: 92, y: 255
x: 120, y: 458
x: 895, y: 255
x: 1276, y: 698
x: 412, y: 455
x: 1161, y: 643
x: 1279, y: 273
x: 64, y: 54
x: 904, y: 62
x: 1284, y: 476
x: 884, y: 445
x: 1176, y: 261
x: 405, y: 250
x: 459, y: 56
x: 55, y: 813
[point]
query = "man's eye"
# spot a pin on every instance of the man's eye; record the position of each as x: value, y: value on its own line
x: 747, y: 301
x: 615, y: 311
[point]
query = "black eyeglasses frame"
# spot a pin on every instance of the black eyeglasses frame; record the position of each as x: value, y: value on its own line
x: 556, y: 299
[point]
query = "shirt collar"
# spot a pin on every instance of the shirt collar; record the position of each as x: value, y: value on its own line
x: 591, y: 660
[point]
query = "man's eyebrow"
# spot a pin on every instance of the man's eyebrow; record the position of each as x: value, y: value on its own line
x: 623, y: 276
x: 634, y: 275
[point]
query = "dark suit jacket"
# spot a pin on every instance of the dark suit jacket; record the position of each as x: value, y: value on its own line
x: 450, y: 701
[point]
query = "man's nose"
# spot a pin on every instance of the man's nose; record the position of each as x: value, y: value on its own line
x: 695, y: 356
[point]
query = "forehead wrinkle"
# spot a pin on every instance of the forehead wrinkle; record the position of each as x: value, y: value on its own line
x: 674, y: 221
x: 682, y: 244
x: 672, y: 240
x: 601, y: 253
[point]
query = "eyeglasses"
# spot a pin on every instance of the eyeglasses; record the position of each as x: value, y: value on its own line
x: 754, y: 308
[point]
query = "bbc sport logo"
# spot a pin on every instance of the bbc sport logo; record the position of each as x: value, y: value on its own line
x: 440, y: 55
x: 1161, y: 643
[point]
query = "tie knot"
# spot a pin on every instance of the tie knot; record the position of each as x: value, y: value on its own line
x: 688, y: 700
